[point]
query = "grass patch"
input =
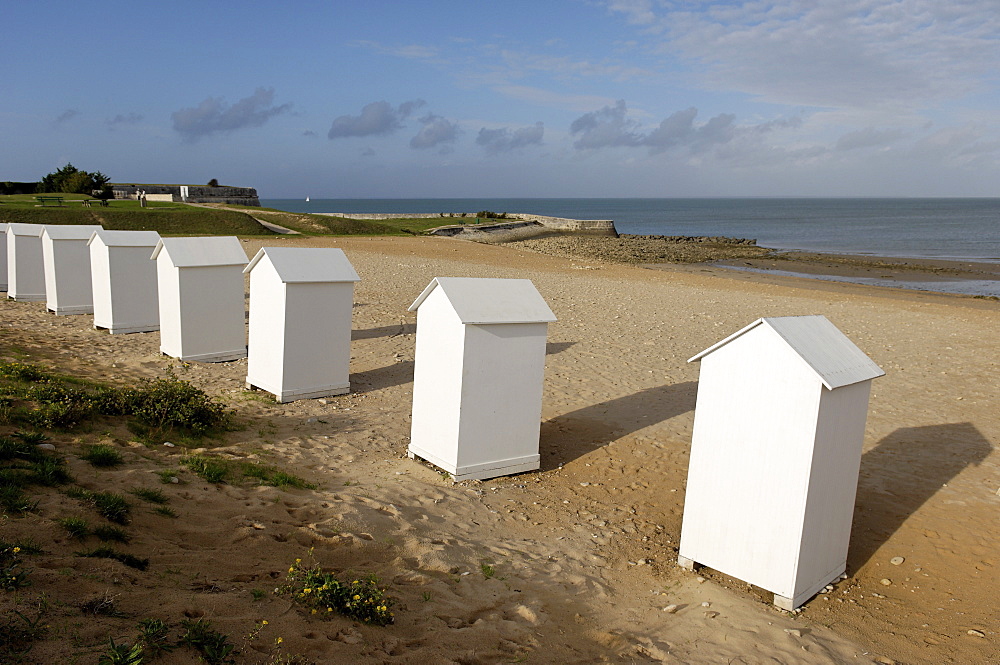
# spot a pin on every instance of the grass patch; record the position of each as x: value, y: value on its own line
x: 221, y: 470
x: 214, y: 647
x: 18, y: 634
x: 167, y: 218
x: 106, y: 552
x: 167, y: 476
x: 111, y: 506
x: 34, y: 396
x: 323, y: 594
x: 102, y: 455
x: 150, y: 495
x: 22, y: 464
x: 108, y: 533
x: 210, y: 469
x: 165, y: 511
x: 76, y: 527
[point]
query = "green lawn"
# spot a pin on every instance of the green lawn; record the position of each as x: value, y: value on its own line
x: 166, y: 218
x: 182, y: 219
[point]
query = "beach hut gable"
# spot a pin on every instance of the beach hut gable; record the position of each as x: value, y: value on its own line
x: 478, y: 376
x: 126, y: 238
x: 69, y: 231
x: 835, y: 359
x: 293, y: 266
x: 301, y: 302
x: 486, y: 300
x: 195, y: 252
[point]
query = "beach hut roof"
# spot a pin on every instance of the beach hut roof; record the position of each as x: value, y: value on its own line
x: 491, y: 300
x: 126, y: 238
x: 834, y: 357
x: 21, y: 229
x: 210, y: 251
x: 69, y: 231
x: 307, y: 264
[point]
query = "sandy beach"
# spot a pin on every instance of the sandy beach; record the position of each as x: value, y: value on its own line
x: 575, y: 563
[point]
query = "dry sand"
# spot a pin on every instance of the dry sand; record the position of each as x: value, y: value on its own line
x: 583, y: 550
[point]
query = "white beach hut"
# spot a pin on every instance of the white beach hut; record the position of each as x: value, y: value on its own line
x: 301, y: 300
x: 25, y: 270
x: 124, y: 281
x: 3, y: 256
x: 775, y: 453
x: 68, y: 287
x: 200, y: 285
x: 478, y: 376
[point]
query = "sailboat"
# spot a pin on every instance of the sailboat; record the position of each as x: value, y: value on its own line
x: 307, y: 199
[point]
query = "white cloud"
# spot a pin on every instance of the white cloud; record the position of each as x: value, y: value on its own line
x: 375, y: 119
x: 436, y: 131
x: 505, y: 139
x: 215, y: 115
x: 848, y: 54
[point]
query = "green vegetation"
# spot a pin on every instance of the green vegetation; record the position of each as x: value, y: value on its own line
x: 216, y: 469
x: 323, y: 594
x: 70, y: 179
x: 121, y: 654
x: 121, y: 215
x: 113, y: 507
x: 107, y: 533
x: 75, y: 526
x: 11, y: 575
x: 18, y: 634
x: 105, y: 552
x: 153, y: 634
x: 33, y: 395
x: 213, y: 646
x: 150, y: 495
x: 102, y: 455
x: 22, y: 464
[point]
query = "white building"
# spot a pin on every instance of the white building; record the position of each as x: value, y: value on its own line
x: 68, y: 287
x: 201, y: 310
x: 300, y: 322
x: 124, y: 281
x: 3, y: 256
x: 478, y: 378
x: 25, y: 270
x: 775, y: 453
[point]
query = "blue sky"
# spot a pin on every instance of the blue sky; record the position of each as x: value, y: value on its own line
x: 559, y: 98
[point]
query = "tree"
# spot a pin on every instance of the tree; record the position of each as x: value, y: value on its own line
x: 213, y: 183
x: 72, y: 180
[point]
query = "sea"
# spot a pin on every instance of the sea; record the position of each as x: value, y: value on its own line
x: 939, y: 228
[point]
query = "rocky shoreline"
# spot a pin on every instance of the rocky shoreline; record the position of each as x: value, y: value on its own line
x: 645, y: 248
x: 744, y: 254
